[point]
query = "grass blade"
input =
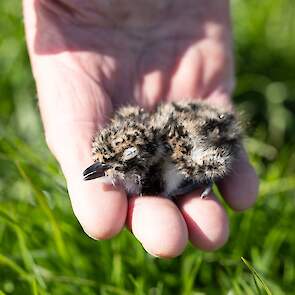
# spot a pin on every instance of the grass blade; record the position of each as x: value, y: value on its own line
x: 257, y: 276
x: 41, y: 199
x: 15, y: 267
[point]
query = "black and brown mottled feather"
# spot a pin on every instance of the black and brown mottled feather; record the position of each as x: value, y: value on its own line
x: 177, y: 144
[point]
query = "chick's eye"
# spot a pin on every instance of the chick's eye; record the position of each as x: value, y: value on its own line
x: 130, y: 153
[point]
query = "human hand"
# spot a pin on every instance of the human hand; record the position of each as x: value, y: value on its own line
x: 88, y: 58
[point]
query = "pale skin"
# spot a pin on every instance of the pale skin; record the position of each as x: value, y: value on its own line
x: 88, y: 58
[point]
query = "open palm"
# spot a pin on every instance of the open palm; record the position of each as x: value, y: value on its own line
x: 90, y: 57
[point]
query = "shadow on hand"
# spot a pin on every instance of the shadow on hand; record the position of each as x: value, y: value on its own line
x: 136, y: 37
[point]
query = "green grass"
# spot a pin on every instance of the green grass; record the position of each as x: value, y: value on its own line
x: 43, y: 250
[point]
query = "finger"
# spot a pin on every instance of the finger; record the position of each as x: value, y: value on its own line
x: 157, y: 223
x: 240, y: 187
x: 206, y: 220
x: 101, y: 209
x: 154, y: 71
x: 152, y: 89
x: 186, y: 81
x: 204, y: 71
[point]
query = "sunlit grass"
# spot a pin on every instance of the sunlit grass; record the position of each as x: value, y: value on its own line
x: 43, y: 249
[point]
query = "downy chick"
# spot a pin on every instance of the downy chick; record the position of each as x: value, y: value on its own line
x: 171, y: 151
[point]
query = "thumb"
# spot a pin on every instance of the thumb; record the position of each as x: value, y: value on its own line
x: 100, y: 208
x: 72, y: 108
x: 72, y: 105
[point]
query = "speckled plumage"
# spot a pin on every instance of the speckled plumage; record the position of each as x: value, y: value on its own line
x: 170, y: 151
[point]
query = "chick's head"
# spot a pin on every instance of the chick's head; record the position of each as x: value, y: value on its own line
x: 122, y: 149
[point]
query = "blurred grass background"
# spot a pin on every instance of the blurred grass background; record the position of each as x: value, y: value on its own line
x: 42, y: 247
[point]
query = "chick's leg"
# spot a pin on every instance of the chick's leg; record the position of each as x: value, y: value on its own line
x: 207, y: 190
x: 188, y: 188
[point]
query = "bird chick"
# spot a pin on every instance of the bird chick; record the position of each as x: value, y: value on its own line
x: 171, y: 151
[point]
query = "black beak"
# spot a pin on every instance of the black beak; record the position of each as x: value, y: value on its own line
x: 95, y: 170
